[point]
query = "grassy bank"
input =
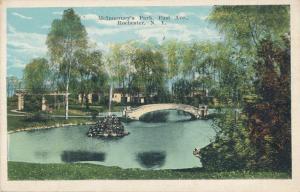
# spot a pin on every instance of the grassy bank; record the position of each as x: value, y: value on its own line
x: 20, y: 122
x: 14, y: 123
x: 31, y: 171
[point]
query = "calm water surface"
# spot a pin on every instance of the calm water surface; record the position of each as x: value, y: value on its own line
x: 164, y: 145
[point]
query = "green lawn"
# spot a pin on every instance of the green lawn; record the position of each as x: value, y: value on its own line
x: 17, y: 122
x: 14, y: 123
x: 76, y: 171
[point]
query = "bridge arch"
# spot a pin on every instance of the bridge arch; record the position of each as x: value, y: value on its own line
x: 136, y: 113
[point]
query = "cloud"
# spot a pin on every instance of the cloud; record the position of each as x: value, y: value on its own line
x: 95, y: 31
x: 16, y: 63
x: 161, y: 14
x: 177, y: 31
x: 21, y: 16
x: 160, y: 31
x: 57, y: 13
x: 96, y: 34
x: 98, y: 45
x: 45, y: 27
x: 11, y: 29
x: 148, y: 13
x: 182, y: 32
x: 184, y: 14
x: 23, y: 46
x: 26, y: 42
x: 203, y: 17
x: 89, y: 17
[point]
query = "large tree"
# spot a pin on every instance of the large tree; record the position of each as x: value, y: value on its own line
x: 91, y: 76
x: 259, y: 56
x: 67, y: 36
x: 171, y: 50
x: 118, y: 64
x: 150, y: 72
x: 270, y: 116
x: 247, y: 25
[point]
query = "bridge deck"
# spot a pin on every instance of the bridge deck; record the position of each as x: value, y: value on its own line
x: 136, y: 113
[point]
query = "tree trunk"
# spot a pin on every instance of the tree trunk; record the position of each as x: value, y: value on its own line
x: 55, y: 104
x: 99, y: 97
x: 67, y: 101
x: 86, y: 100
x: 82, y: 100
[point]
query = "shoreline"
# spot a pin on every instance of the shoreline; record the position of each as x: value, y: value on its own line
x: 58, y: 125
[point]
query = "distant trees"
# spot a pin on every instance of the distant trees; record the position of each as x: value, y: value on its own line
x: 12, y: 84
x: 118, y: 64
x: 181, y: 89
x: 173, y: 53
x: 89, y: 72
x: 37, y: 76
x: 150, y: 72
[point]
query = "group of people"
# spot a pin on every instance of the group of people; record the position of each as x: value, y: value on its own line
x: 109, y: 126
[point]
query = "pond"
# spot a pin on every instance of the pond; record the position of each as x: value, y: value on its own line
x: 150, y: 145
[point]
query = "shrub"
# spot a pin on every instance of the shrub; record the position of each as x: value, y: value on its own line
x: 32, y: 103
x: 38, y: 117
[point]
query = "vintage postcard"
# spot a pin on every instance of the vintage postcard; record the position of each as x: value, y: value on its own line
x: 149, y: 96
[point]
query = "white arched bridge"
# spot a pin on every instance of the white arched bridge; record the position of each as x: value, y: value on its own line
x: 136, y: 113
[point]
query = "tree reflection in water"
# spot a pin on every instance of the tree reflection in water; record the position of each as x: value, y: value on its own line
x: 151, y: 159
x: 76, y: 156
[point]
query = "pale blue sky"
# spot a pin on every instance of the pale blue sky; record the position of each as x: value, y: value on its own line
x: 27, y: 29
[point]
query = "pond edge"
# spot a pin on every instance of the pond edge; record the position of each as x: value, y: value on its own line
x: 58, y: 125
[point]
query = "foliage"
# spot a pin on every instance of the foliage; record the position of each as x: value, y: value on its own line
x: 89, y: 69
x: 38, y: 117
x: 181, y: 89
x: 12, y: 102
x: 66, y: 37
x: 173, y: 51
x: 37, y: 76
x: 269, y: 119
x: 247, y: 25
x: 150, y: 72
x: 118, y: 63
x: 260, y: 137
x: 12, y: 84
x: 231, y: 148
x: 32, y: 103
